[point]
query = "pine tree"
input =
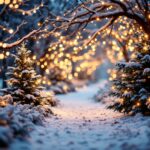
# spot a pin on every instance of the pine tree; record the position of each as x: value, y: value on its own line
x: 24, y: 83
x: 132, y: 84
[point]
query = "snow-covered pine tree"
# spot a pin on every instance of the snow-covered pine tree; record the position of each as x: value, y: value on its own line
x: 132, y: 84
x: 23, y: 82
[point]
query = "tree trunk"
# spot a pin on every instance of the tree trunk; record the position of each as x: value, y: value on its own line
x: 4, y: 63
x: 125, y: 53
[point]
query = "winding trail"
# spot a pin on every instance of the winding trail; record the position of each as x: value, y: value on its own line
x: 82, y: 124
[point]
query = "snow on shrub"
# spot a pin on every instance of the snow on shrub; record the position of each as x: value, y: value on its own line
x: 17, y: 121
x: 132, y: 85
x: 24, y: 103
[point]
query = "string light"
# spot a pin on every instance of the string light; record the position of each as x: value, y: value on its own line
x: 71, y: 56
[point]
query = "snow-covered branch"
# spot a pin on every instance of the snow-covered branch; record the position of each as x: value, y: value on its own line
x: 100, y: 11
x: 16, y: 43
x: 16, y: 25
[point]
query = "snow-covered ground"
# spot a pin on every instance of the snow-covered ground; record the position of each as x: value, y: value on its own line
x: 82, y: 124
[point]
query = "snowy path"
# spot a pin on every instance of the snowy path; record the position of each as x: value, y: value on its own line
x: 81, y: 124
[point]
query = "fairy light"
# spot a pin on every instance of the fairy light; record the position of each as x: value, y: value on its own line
x: 13, y: 4
x: 7, y: 2
x: 79, y: 54
x: 2, y: 56
x: 121, y: 100
x: 34, y: 57
x: 11, y: 31
x: 138, y: 104
x: 7, y: 53
x: 70, y: 56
